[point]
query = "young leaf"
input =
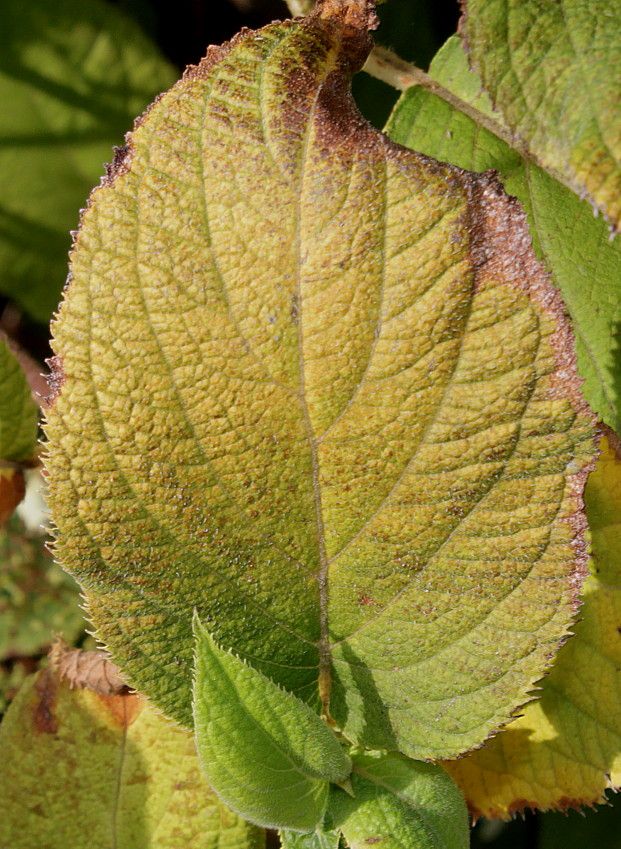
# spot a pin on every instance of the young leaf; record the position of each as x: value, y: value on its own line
x: 91, y: 771
x: 318, y: 839
x: 550, y: 70
x: 318, y: 387
x: 72, y: 77
x: 266, y: 753
x: 564, y: 750
x: 399, y: 804
x: 575, y: 246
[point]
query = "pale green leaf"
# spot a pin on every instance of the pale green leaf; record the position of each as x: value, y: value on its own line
x: 317, y: 387
x: 398, y: 803
x: 551, y: 69
x: 575, y: 246
x: 87, y: 771
x: 318, y: 839
x: 266, y: 753
x: 73, y: 75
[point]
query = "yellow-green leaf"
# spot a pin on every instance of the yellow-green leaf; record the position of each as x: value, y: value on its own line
x: 318, y: 387
x: 565, y: 748
x: 575, y: 246
x: 91, y: 771
x: 551, y: 69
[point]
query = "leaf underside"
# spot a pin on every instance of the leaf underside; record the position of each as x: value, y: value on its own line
x: 551, y: 70
x: 317, y: 386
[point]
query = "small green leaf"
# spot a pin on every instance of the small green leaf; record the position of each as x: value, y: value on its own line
x: 73, y: 75
x: 266, y: 753
x: 83, y: 770
x: 318, y: 839
x: 551, y: 69
x: 399, y: 803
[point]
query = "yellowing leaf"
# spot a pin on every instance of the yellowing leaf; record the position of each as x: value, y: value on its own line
x: 551, y: 69
x: 91, y: 771
x: 318, y: 387
x: 565, y: 749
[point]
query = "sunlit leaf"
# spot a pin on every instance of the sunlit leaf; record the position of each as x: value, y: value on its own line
x: 91, y: 771
x: 264, y: 751
x: 575, y: 246
x: 397, y: 803
x: 317, y: 387
x: 565, y: 749
x: 551, y: 71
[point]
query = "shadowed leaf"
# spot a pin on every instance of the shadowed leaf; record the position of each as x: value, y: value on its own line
x: 242, y: 719
x: 72, y: 77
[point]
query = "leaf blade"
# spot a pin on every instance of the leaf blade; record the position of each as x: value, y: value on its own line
x: 547, y: 71
x: 242, y: 719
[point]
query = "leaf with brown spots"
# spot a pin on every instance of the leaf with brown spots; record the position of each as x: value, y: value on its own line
x: 91, y: 771
x: 564, y: 750
x: 317, y: 387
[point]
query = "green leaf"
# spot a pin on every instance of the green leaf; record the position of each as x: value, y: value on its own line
x: 575, y: 246
x: 73, y: 75
x: 318, y: 839
x: 564, y: 750
x: 266, y: 753
x: 399, y: 804
x: 549, y: 69
x: 37, y: 598
x: 18, y: 412
x: 91, y: 771
x: 318, y: 387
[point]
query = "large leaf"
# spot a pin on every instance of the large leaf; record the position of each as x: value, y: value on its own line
x: 73, y: 75
x: 242, y: 719
x: 565, y: 749
x: 91, y: 771
x: 551, y: 70
x: 318, y: 387
x: 575, y: 246
x: 399, y: 804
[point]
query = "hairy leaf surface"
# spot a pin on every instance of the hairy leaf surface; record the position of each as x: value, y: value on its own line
x: 551, y: 69
x: 575, y: 246
x: 92, y: 771
x: 399, y: 804
x: 242, y: 719
x: 73, y: 76
x: 565, y: 749
x: 318, y: 387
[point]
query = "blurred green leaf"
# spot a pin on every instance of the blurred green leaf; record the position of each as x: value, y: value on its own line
x: 73, y: 76
x: 37, y: 598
